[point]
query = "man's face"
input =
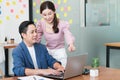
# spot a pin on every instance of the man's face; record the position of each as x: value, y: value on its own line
x: 31, y: 35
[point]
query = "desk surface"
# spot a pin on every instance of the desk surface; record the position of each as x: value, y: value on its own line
x: 7, y: 46
x: 104, y: 74
x: 114, y: 44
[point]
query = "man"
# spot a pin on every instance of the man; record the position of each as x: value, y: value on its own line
x: 31, y: 58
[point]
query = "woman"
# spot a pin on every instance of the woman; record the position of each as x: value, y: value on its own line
x: 54, y: 31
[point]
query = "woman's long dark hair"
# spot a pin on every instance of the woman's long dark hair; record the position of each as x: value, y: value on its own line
x: 50, y: 5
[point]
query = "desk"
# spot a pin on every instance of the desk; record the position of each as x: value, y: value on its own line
x: 104, y: 74
x: 6, y: 48
x: 115, y: 45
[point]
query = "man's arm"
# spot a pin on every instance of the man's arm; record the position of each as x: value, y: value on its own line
x: 41, y: 71
x: 59, y: 67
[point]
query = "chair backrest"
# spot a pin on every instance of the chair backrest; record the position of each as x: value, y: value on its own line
x: 2, y: 53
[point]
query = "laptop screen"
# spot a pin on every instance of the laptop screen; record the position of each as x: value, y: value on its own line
x: 74, y: 67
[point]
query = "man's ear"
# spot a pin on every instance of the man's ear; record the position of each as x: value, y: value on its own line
x: 23, y: 35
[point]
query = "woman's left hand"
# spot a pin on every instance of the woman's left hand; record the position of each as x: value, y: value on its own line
x: 71, y: 47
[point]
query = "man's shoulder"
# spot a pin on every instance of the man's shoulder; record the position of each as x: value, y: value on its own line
x: 63, y: 21
x: 18, y: 47
x: 40, y: 22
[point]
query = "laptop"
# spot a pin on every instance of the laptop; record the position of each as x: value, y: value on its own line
x: 75, y: 66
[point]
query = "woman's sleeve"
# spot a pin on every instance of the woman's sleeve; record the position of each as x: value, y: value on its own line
x: 68, y: 35
x: 39, y: 31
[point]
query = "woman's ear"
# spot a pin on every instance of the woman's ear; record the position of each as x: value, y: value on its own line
x: 41, y: 15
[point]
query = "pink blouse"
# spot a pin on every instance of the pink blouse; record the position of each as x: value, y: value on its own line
x: 55, y: 40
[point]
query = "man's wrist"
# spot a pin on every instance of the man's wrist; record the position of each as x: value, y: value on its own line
x: 57, y: 65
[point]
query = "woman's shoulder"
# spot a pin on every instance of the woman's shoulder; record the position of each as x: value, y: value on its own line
x: 63, y: 23
x: 40, y: 24
x: 40, y: 21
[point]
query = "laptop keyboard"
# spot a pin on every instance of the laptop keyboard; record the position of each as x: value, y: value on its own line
x: 61, y: 75
x: 55, y: 76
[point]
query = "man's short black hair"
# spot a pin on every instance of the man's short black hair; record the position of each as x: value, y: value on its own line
x: 24, y: 25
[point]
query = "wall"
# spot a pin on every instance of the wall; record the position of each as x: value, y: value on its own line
x: 94, y: 38
x: 12, y: 13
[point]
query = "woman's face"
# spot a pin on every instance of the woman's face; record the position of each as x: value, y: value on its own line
x: 48, y: 15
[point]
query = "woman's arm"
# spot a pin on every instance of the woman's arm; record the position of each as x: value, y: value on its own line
x: 39, y: 31
x: 69, y: 37
x: 71, y: 47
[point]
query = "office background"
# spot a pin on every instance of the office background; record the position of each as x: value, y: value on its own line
x: 89, y: 39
